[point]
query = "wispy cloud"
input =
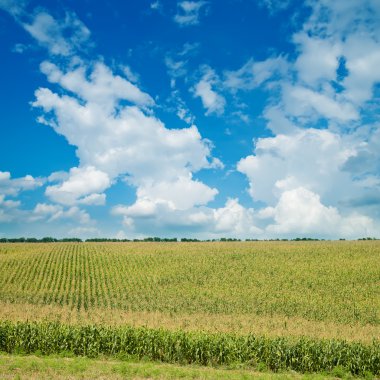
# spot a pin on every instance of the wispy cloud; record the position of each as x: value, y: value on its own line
x: 212, y: 101
x: 189, y: 12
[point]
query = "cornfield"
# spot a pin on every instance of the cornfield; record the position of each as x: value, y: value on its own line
x: 303, y: 355
x: 286, y: 300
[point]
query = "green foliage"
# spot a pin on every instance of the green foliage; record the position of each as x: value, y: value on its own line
x: 302, y: 355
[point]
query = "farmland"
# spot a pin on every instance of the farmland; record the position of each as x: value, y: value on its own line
x: 293, y: 290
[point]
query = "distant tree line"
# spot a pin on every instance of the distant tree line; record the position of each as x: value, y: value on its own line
x: 49, y: 239
x: 149, y: 239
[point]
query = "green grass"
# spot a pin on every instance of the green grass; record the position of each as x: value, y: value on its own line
x: 50, y: 367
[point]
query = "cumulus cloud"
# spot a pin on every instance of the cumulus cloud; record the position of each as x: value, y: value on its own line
x: 189, y: 12
x: 348, y: 33
x: 318, y: 58
x: 312, y: 158
x: 83, y: 186
x: 300, y: 211
x: 111, y: 122
x: 172, y: 193
x: 318, y: 173
x: 102, y: 87
x: 13, y: 186
x: 302, y: 101
x: 162, y: 204
x: 118, y: 139
x: 232, y: 219
x: 53, y: 212
x: 363, y: 64
x: 235, y: 219
x: 319, y: 163
x: 9, y: 209
x: 278, y: 122
x: 333, y: 75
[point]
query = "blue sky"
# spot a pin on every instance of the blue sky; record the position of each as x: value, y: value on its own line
x: 238, y: 118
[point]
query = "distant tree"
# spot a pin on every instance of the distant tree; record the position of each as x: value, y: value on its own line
x: 48, y: 239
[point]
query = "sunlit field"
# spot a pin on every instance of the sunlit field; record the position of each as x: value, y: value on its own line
x: 317, y: 290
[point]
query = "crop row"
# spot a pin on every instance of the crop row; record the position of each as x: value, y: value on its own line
x: 302, y: 355
x: 320, y: 281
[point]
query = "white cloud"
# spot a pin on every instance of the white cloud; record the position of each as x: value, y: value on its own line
x: 9, y: 209
x: 311, y: 180
x: 342, y: 31
x: 275, y: 5
x: 318, y: 58
x: 181, y: 194
x: 19, y: 48
x: 178, y: 105
x: 130, y: 142
x: 301, y: 101
x: 232, y: 220
x: 131, y: 75
x: 235, y: 220
x: 60, y: 37
x: 189, y: 12
x: 184, y: 114
x: 110, y: 121
x: 320, y: 182
x: 255, y: 73
x: 156, y: 5
x: 211, y: 100
x: 102, y: 87
x: 176, y: 68
x: 14, y: 7
x: 299, y: 211
x: 334, y: 73
x: 12, y: 187
x: 330, y: 18
x: 8, y: 203
x: 84, y: 232
x: 308, y: 178
x: 362, y: 55
x: 52, y: 212
x: 58, y: 176
x: 311, y: 158
x: 141, y: 209
x: 116, y: 139
x: 160, y: 204
x: 277, y: 122
x: 83, y: 186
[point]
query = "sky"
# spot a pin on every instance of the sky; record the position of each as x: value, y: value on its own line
x: 238, y: 118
